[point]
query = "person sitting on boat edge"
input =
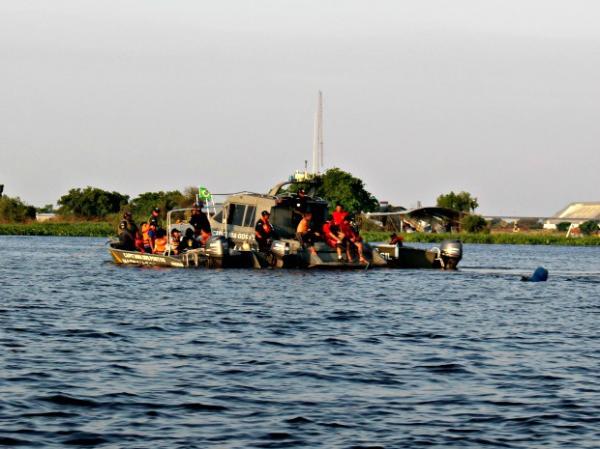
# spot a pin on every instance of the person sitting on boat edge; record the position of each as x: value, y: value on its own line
x: 160, y: 242
x: 188, y: 241
x: 354, y: 239
x: 305, y: 235
x: 333, y: 237
x: 200, y: 222
x: 264, y: 232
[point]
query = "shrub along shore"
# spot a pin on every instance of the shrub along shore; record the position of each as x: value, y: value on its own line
x: 505, y: 238
x: 105, y: 229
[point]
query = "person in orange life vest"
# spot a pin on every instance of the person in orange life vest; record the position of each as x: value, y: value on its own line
x: 160, y: 242
x: 199, y: 221
x: 355, y: 240
x: 149, y: 234
x: 305, y: 235
x: 330, y: 234
x: 264, y: 232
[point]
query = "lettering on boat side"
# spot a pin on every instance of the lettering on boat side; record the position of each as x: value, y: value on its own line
x: 234, y: 235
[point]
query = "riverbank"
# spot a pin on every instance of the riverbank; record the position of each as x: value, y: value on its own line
x: 103, y: 229
x: 84, y: 229
x: 512, y: 238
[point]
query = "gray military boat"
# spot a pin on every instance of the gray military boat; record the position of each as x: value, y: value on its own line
x: 239, y: 213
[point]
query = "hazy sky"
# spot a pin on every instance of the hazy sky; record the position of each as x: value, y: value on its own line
x: 499, y: 98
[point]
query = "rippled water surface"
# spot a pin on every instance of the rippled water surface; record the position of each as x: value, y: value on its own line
x: 92, y: 354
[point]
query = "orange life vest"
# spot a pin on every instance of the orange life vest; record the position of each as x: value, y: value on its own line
x: 145, y: 237
x: 160, y: 245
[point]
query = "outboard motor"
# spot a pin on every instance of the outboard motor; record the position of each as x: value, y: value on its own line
x: 217, y: 246
x: 451, y: 253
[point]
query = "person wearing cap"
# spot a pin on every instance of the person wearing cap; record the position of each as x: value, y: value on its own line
x: 264, y: 232
x: 200, y: 222
x: 126, y: 240
x: 127, y: 232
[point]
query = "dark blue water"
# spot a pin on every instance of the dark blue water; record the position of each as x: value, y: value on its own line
x: 92, y: 354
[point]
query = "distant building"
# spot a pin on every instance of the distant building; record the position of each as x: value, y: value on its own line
x: 44, y: 216
x: 575, y: 213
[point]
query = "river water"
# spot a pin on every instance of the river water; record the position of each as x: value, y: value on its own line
x: 96, y: 355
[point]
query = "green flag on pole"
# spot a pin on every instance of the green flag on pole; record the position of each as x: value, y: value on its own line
x: 204, y: 194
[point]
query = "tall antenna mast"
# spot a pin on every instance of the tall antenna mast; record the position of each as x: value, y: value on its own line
x: 318, y: 137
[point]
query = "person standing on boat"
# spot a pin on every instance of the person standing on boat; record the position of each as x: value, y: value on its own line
x: 264, y: 232
x: 126, y: 240
x: 339, y: 214
x: 127, y: 233
x: 200, y: 222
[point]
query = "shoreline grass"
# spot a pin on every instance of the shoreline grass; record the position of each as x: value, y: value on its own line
x: 75, y: 229
x: 492, y: 238
x: 104, y: 229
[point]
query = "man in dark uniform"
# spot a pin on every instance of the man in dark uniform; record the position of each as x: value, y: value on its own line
x: 200, y: 222
x: 264, y: 232
x: 126, y: 239
x: 188, y: 241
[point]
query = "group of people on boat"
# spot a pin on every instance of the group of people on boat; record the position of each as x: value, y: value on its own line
x: 338, y: 232
x: 151, y: 238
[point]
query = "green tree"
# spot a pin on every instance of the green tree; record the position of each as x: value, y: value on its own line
x: 142, y: 205
x: 462, y: 202
x: 474, y: 223
x: 563, y: 226
x: 589, y: 227
x: 338, y: 186
x: 13, y: 210
x: 91, y: 202
x: 47, y: 209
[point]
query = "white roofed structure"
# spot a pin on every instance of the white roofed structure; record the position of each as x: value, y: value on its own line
x: 575, y: 213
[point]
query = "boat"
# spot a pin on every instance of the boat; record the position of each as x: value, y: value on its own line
x: 233, y: 245
x: 241, y: 211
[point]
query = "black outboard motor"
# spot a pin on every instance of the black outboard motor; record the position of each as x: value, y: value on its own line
x: 451, y: 253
